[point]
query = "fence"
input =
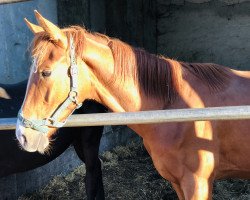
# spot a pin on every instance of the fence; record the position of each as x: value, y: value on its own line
x: 146, y: 117
x: 11, y: 1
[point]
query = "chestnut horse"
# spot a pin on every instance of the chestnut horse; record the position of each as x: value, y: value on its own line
x: 86, y: 141
x: 191, y: 155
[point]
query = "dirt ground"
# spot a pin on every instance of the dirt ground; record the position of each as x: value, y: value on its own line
x: 128, y: 174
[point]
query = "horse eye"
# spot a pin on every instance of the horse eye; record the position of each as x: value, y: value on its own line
x: 46, y: 73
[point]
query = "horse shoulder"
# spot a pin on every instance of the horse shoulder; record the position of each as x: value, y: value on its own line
x: 164, y: 144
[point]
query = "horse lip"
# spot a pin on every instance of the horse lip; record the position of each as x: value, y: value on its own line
x: 23, y: 140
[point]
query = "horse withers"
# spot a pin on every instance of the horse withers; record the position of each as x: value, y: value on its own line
x: 85, y: 140
x: 191, y: 155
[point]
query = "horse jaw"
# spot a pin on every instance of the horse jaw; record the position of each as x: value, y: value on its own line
x: 31, y: 140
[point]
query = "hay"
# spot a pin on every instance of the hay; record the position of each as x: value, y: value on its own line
x: 128, y: 174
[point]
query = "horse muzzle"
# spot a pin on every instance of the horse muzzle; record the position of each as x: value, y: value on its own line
x: 31, y: 140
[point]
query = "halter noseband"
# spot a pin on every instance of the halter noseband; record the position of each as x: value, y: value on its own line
x: 43, y: 125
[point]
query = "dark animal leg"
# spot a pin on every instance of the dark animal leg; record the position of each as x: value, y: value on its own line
x: 87, y: 148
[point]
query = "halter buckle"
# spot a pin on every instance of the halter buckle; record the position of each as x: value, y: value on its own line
x: 49, y: 121
x: 27, y: 123
x: 73, y: 98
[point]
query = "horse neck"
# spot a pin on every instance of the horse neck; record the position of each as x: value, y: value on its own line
x: 118, y: 96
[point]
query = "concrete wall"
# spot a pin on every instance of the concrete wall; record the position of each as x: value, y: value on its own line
x: 133, y: 22
x: 213, y: 31
x: 74, y: 12
x: 15, y: 37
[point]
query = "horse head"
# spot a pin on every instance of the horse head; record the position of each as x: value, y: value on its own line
x: 53, y: 92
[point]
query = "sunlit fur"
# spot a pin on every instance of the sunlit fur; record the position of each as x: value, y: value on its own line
x: 163, y: 80
x: 161, y: 77
x: 41, y: 43
x: 191, y: 155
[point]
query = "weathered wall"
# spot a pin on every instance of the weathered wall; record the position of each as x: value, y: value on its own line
x: 88, y: 13
x: 227, y: 2
x: 75, y: 12
x: 205, y: 32
x: 133, y: 22
x: 15, y: 37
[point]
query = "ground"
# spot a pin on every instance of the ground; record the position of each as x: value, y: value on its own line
x: 129, y: 174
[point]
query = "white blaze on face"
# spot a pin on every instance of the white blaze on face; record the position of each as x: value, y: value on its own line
x: 31, y: 140
x: 20, y: 129
x: 20, y: 133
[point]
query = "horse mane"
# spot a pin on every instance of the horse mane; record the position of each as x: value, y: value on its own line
x: 152, y: 73
x: 214, y: 75
x: 157, y: 77
x: 160, y: 77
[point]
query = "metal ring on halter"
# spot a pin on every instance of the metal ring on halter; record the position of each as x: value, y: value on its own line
x: 73, y: 95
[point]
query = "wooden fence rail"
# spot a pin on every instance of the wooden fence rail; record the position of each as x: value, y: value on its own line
x: 147, y: 117
x: 11, y: 1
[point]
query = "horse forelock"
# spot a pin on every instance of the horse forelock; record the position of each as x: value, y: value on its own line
x: 42, y: 43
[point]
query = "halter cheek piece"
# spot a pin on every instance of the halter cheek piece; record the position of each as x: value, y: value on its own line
x: 43, y: 125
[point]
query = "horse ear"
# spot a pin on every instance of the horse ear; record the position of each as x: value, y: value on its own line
x: 4, y: 94
x: 34, y: 28
x: 54, y: 32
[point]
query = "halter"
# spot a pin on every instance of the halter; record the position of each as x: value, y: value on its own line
x: 44, y: 124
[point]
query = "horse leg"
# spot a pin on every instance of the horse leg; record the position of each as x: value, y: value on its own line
x: 189, y: 182
x: 91, y: 143
x: 178, y: 191
x: 196, y: 187
x: 87, y: 148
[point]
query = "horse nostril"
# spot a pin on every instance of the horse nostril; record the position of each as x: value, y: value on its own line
x: 24, y: 139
